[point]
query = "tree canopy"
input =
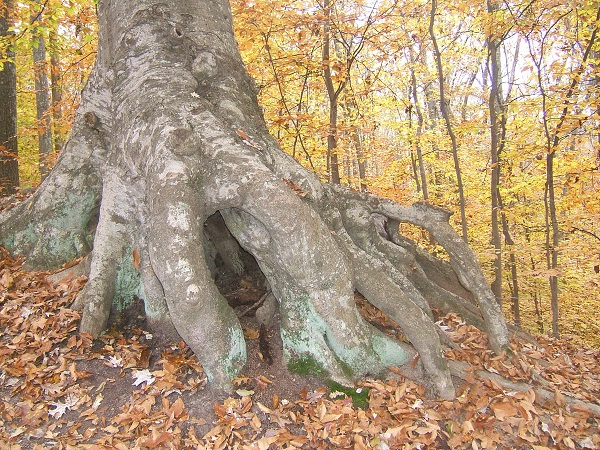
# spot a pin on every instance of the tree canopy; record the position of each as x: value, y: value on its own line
x: 381, y: 57
x: 170, y: 175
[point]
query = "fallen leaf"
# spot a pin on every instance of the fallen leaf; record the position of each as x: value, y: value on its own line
x: 60, y: 408
x: 114, y: 361
x: 143, y: 376
x: 143, y: 359
x: 242, y: 134
x: 251, y: 333
x: 294, y: 187
x: 244, y: 392
x: 177, y: 408
x: 136, y: 259
x: 503, y: 409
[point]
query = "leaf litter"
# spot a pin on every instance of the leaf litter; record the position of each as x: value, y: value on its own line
x: 59, y: 389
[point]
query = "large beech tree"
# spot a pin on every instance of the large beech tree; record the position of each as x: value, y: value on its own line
x: 168, y: 134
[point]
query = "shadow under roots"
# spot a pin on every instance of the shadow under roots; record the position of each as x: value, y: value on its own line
x: 240, y: 280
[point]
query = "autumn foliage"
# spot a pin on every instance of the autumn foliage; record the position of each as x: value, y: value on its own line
x: 59, y: 389
x: 389, y: 124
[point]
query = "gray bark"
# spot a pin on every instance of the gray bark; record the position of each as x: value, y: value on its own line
x: 169, y: 133
x: 42, y: 99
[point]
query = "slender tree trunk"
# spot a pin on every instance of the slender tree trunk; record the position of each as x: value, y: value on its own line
x: 552, y: 240
x: 514, y: 278
x: 352, y: 112
x: 446, y: 115
x: 280, y: 87
x: 414, y: 164
x: 9, y: 165
x: 495, y: 109
x: 56, y: 83
x: 536, y: 302
x: 419, y: 150
x: 360, y: 158
x: 333, y: 169
x: 552, y: 231
x: 42, y: 99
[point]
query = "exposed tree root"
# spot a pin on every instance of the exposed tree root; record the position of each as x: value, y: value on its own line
x: 460, y: 369
x: 162, y: 143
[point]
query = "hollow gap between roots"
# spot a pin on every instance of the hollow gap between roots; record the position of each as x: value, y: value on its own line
x: 421, y: 238
x: 240, y: 280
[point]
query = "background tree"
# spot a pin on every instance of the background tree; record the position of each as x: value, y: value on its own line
x: 9, y: 164
x: 444, y: 108
x: 169, y: 134
x: 42, y: 91
x: 281, y: 43
x: 383, y: 82
x: 71, y: 53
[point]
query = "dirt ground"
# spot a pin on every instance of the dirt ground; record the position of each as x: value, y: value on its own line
x: 133, y: 389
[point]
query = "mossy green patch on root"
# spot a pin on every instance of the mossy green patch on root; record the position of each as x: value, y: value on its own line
x: 359, y: 396
x: 306, y: 365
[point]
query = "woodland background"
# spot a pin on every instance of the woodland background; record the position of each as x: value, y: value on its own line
x: 488, y: 109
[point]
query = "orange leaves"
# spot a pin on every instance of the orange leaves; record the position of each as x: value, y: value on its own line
x: 294, y: 187
x: 135, y: 254
x: 51, y: 376
x: 503, y: 409
x: 59, y: 385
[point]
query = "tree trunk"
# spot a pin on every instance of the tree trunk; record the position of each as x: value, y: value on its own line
x: 168, y: 133
x: 56, y: 83
x: 417, y: 107
x: 352, y: 112
x: 9, y: 165
x: 42, y: 99
x: 333, y: 168
x: 553, y: 139
x: 496, y: 110
x: 446, y: 115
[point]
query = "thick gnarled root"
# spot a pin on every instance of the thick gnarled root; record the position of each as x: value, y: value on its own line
x: 199, y: 312
x: 312, y: 280
x: 462, y: 258
x: 111, y: 240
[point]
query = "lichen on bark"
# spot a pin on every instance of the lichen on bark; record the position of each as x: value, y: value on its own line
x: 179, y: 137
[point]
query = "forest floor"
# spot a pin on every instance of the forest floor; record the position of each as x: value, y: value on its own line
x: 59, y: 389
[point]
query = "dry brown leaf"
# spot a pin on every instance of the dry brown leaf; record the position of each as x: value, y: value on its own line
x: 395, y: 370
x: 136, y: 259
x: 255, y: 422
x: 559, y: 398
x: 177, y: 408
x: 143, y: 360
x: 503, y: 409
x: 251, y: 333
x: 330, y: 417
x: 243, y: 135
x: 294, y: 187
x: 265, y: 442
